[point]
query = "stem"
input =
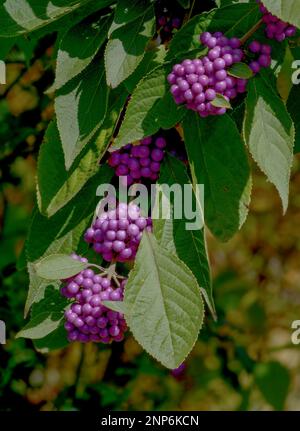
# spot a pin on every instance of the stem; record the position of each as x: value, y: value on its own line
x: 114, y: 277
x: 98, y: 267
x: 251, y: 31
x: 111, y: 271
x: 191, y: 10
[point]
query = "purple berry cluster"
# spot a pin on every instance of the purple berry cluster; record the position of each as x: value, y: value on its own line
x: 197, y: 82
x: 168, y: 18
x: 116, y: 234
x: 136, y: 162
x: 263, y: 53
x: 87, y: 319
x: 169, y: 24
x: 275, y: 27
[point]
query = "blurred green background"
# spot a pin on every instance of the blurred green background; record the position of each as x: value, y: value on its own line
x: 244, y: 361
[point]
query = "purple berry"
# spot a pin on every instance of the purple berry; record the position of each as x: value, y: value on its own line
x: 255, y: 47
x: 157, y: 155
x: 210, y: 94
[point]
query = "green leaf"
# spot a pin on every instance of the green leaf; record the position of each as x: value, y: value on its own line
x: 80, y: 108
x: 56, y: 186
x: 235, y: 20
x: 187, y: 38
x: 150, y: 108
x: 173, y: 235
x: 59, y: 267
x: 284, y: 78
x: 38, y: 285
x: 57, y: 339
x: 273, y: 381
x: 5, y: 46
x: 167, y: 112
x: 44, y: 231
x: 240, y: 70
x: 60, y: 233
x: 78, y: 48
x: 23, y: 16
x: 184, y: 3
x: 118, y: 306
x: 286, y: 10
x: 269, y: 133
x: 39, y: 326
x: 163, y: 303
x: 46, y: 315
x: 220, y: 102
x: 294, y: 111
x: 152, y: 59
x: 126, y: 12
x: 126, y: 47
x: 219, y: 161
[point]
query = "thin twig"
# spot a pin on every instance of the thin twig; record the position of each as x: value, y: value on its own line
x: 191, y: 10
x: 251, y: 31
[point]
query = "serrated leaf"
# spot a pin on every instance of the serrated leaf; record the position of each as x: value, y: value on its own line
x: 240, y: 70
x: 187, y: 38
x: 43, y: 230
x: 80, y: 108
x: 184, y: 3
x: 46, y: 315
x: 167, y: 112
x: 269, y: 133
x: 23, y: 16
x: 38, y: 285
x: 56, y: 186
x: 235, y: 20
x: 294, y: 111
x: 78, y: 48
x: 152, y: 59
x: 39, y: 327
x: 126, y: 47
x: 173, y: 235
x: 218, y: 159
x: 58, y: 267
x: 284, y: 78
x: 60, y: 233
x: 118, y: 306
x: 57, y: 339
x: 274, y: 390
x: 146, y: 111
x: 164, y: 305
x: 127, y: 11
x: 286, y: 10
x: 220, y: 102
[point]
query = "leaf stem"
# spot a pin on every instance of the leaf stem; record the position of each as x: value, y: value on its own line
x: 98, y: 267
x: 116, y: 280
x: 251, y: 32
x: 111, y: 271
x: 191, y: 10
